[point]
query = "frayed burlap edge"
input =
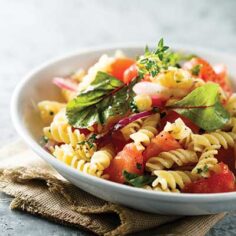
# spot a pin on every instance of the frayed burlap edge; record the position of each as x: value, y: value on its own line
x: 28, y: 178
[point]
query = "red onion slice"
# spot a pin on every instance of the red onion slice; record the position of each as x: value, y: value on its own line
x: 130, y: 119
x: 65, y: 84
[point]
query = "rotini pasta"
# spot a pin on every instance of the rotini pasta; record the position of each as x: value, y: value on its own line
x: 221, y: 138
x: 178, y: 129
x: 61, y: 132
x: 131, y: 128
x: 207, y: 161
x: 70, y: 156
x: 172, y: 181
x: 166, y: 160
x: 143, y: 102
x: 231, y: 105
x: 148, y: 130
x: 48, y: 110
x: 101, y: 159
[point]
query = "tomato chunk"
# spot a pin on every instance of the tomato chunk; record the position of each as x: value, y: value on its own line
x: 172, y: 116
x: 163, y: 142
x: 119, y: 66
x: 207, y: 73
x: 228, y: 157
x: 218, y: 182
x: 130, y: 73
x: 158, y: 101
x: 129, y: 159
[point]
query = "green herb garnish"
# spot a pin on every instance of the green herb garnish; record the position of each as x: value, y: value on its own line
x: 202, y: 106
x: 205, y: 169
x: 139, y: 166
x: 152, y: 62
x: 196, y: 70
x: 199, y: 170
x: 138, y: 180
x: 105, y: 97
x: 90, y: 141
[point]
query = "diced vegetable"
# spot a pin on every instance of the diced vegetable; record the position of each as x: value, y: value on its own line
x: 222, y: 181
x: 201, y: 68
x: 130, y: 73
x: 129, y: 159
x: 120, y: 66
x: 67, y: 84
x: 163, y: 142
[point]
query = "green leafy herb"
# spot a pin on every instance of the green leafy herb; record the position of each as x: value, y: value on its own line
x: 105, y: 97
x: 205, y: 169
x: 138, y: 180
x: 133, y: 107
x: 199, y: 170
x: 196, y: 70
x: 202, y: 106
x: 152, y: 62
x: 139, y: 166
x: 90, y: 141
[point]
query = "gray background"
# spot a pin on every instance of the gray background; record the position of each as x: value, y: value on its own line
x: 32, y: 31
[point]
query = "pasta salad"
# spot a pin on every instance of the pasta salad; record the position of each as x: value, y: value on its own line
x: 165, y: 122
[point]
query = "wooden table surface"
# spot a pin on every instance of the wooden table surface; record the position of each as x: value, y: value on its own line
x: 32, y: 31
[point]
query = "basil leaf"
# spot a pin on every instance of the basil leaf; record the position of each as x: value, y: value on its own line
x: 202, y: 106
x: 105, y: 97
x: 138, y: 180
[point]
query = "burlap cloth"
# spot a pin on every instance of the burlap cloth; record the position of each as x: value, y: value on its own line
x: 39, y: 190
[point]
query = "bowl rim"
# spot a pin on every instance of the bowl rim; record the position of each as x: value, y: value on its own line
x: 22, y: 130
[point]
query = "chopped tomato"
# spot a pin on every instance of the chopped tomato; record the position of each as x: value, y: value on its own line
x: 119, y: 66
x: 163, y: 142
x: 207, y: 73
x: 130, y: 73
x: 228, y: 157
x: 158, y: 101
x: 218, y: 182
x: 172, y: 116
x: 129, y: 159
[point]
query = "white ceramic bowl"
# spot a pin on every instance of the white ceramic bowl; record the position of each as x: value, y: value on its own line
x: 37, y: 86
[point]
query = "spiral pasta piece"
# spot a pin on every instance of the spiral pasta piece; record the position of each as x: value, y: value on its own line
x: 131, y: 128
x: 148, y: 130
x: 101, y: 159
x: 168, y: 180
x: 178, y: 129
x: 220, y: 138
x: 143, y: 102
x: 48, y: 110
x: 207, y: 161
x: 166, y: 160
x: 231, y: 105
x: 69, y: 155
x: 61, y: 132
